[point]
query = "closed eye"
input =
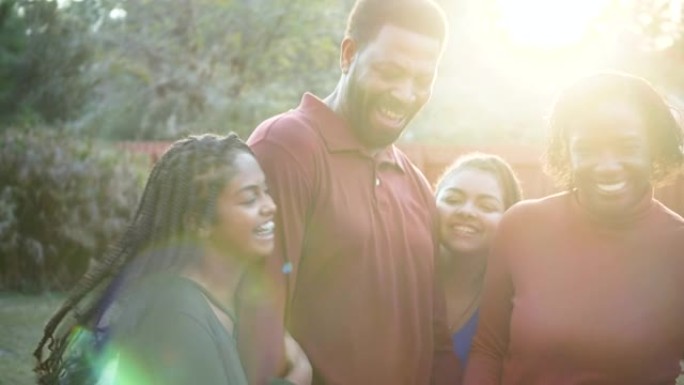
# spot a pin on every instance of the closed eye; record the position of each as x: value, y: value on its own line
x: 490, y: 207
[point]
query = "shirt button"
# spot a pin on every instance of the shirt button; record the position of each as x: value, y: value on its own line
x: 377, y: 182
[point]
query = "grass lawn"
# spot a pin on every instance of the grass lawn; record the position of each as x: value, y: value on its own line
x: 21, y: 325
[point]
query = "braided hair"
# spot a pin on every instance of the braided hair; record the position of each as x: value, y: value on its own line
x: 179, y: 198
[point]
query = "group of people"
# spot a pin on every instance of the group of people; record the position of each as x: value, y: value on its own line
x: 317, y: 253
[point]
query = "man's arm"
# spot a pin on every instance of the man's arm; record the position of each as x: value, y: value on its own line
x: 491, y: 340
x: 446, y: 367
x: 262, y: 310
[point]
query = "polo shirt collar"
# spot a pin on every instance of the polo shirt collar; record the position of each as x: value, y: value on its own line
x: 337, y: 134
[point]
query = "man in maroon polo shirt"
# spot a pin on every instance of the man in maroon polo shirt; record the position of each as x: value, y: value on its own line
x: 355, y: 223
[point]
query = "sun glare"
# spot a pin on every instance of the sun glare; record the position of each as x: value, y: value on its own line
x: 548, y: 23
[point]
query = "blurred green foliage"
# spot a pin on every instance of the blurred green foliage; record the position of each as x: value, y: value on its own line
x: 62, y: 202
x: 43, y: 56
x: 161, y: 69
x: 145, y: 69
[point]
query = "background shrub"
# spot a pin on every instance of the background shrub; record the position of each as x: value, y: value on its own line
x: 62, y: 202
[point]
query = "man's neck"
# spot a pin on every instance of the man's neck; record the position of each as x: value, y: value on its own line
x: 335, y: 102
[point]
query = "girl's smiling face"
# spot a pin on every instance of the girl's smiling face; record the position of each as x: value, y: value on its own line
x: 244, y: 224
x: 470, y: 205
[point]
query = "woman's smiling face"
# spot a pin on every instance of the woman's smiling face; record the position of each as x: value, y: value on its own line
x: 610, y: 159
x: 244, y: 219
x: 470, y: 205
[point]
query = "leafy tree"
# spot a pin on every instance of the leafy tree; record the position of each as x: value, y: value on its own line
x: 62, y: 202
x: 169, y: 67
x: 12, y: 45
x: 43, y: 55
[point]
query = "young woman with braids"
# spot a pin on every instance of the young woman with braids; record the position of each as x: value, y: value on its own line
x: 586, y: 287
x: 471, y: 196
x: 158, y: 309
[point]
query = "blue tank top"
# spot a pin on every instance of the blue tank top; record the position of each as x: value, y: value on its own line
x: 462, y: 339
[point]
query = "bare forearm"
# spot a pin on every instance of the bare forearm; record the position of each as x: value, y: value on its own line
x: 260, y: 332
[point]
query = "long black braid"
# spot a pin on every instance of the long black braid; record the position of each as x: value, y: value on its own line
x: 179, y: 198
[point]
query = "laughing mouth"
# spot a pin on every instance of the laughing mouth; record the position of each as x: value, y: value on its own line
x: 392, y: 116
x: 462, y: 229
x: 611, y: 187
x: 265, y: 229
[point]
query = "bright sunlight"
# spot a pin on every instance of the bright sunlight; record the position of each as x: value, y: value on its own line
x: 548, y: 23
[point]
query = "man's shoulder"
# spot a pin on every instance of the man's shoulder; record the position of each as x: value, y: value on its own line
x: 406, y: 163
x: 411, y: 168
x: 289, y: 129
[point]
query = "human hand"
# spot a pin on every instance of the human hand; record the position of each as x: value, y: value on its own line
x: 300, y: 371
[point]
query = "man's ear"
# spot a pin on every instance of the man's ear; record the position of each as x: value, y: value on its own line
x: 348, y: 50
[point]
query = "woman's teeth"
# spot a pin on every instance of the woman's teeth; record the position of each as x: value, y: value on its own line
x: 464, y: 229
x: 611, y: 187
x: 265, y: 229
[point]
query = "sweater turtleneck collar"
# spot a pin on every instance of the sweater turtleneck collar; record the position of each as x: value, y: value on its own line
x: 624, y: 219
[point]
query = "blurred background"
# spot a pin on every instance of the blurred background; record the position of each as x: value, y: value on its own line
x: 134, y: 70
x: 92, y: 91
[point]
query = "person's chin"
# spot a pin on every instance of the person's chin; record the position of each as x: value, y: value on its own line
x: 385, y: 136
x: 464, y: 247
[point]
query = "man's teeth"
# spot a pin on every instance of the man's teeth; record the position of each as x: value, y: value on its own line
x: 393, y: 115
x: 611, y: 187
x: 266, y: 229
x: 464, y: 229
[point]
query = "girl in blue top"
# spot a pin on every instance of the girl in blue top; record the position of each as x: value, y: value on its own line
x: 471, y: 195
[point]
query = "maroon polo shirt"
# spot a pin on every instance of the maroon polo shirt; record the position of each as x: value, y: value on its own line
x: 358, y: 233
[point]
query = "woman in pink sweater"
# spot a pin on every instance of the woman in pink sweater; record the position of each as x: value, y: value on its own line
x: 587, y: 286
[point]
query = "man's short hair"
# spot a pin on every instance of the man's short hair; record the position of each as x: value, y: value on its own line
x: 367, y: 17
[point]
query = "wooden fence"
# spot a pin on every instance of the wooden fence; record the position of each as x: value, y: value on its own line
x: 433, y: 159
